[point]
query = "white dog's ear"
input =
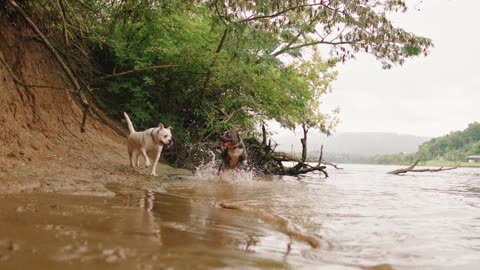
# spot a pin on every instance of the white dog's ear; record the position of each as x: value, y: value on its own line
x: 169, y: 128
x: 160, y: 126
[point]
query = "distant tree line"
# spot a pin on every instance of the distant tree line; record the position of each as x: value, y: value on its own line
x: 454, y: 147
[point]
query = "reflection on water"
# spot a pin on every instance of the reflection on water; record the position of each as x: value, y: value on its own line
x: 359, y: 218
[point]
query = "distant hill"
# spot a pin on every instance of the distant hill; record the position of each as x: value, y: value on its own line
x: 455, y: 146
x: 364, y: 144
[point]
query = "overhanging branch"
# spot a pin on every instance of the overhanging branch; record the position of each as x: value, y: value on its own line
x: 133, y: 71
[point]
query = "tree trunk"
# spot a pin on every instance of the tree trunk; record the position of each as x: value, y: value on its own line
x: 264, y: 135
x: 321, y: 155
x: 304, y: 143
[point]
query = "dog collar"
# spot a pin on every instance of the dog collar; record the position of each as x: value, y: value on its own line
x: 234, y: 146
x: 153, y: 138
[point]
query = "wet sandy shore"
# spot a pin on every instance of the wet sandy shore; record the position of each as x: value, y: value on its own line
x: 178, y: 221
x: 131, y: 230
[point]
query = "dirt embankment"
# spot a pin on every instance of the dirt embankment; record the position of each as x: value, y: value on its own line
x: 41, y: 147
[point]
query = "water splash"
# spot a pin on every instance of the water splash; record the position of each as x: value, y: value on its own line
x: 209, y: 172
x: 238, y: 175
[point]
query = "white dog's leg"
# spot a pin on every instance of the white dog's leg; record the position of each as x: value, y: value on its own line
x: 154, y: 168
x: 133, y: 158
x: 136, y: 161
x: 130, y: 156
x: 147, y: 160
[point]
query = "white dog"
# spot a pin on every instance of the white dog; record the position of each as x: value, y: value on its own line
x: 151, y: 140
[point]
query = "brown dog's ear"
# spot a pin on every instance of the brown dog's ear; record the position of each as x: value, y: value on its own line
x: 239, y: 132
x: 160, y: 126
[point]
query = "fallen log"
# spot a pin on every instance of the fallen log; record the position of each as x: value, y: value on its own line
x: 308, y: 168
x: 411, y: 168
x: 281, y: 156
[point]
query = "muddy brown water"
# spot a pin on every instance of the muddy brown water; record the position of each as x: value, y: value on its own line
x: 359, y: 218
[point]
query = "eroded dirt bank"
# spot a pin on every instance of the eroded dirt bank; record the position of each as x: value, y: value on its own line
x: 41, y: 146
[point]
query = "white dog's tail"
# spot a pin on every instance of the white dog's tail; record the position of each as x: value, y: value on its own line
x: 129, y: 123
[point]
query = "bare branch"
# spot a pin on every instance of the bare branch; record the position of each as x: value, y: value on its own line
x: 133, y: 71
x: 404, y: 170
x: 217, y: 52
x: 284, y: 50
x: 64, y: 22
x: 253, y: 18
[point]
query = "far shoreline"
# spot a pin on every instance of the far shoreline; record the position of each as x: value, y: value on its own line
x: 430, y: 163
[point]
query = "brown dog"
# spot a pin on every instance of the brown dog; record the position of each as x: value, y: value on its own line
x: 234, y: 152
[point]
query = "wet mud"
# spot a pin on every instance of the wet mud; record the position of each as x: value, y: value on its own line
x: 131, y: 230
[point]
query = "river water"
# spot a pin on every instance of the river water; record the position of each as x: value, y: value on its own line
x: 358, y: 218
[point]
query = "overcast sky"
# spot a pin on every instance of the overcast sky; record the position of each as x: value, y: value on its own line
x: 427, y: 96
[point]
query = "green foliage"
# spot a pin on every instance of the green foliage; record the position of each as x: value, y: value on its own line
x: 400, y: 158
x: 454, y: 147
x: 231, y: 64
x: 412, y: 50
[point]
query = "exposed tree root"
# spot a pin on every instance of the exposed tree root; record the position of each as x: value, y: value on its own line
x: 68, y: 71
x: 264, y: 158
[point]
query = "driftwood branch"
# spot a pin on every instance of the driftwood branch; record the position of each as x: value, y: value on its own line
x: 321, y: 161
x: 302, y: 167
x: 266, y: 160
x: 411, y: 168
x: 299, y: 168
x: 321, y: 155
x: 404, y: 170
x: 281, y: 156
x: 308, y: 168
x: 331, y: 164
